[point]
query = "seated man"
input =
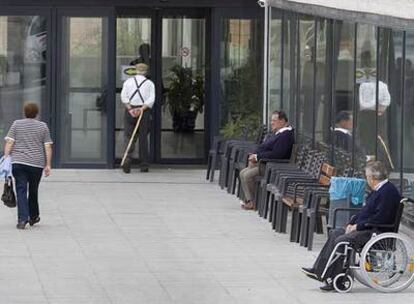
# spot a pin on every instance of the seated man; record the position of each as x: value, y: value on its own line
x: 381, y: 207
x: 343, y: 131
x: 276, y: 146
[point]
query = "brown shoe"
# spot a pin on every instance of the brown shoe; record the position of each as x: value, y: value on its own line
x: 249, y: 206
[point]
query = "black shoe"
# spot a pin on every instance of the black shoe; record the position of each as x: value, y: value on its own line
x: 327, y: 287
x: 310, y: 272
x: 34, y: 221
x: 127, y: 166
x: 144, y: 170
x: 21, y: 225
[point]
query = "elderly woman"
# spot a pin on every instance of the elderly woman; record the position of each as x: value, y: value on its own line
x: 30, y: 145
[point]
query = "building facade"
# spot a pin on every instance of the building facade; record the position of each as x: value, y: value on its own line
x: 343, y: 71
x: 71, y: 57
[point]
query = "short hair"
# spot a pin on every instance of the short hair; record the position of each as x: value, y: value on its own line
x: 280, y: 115
x: 343, y: 115
x: 30, y: 110
x: 376, y: 170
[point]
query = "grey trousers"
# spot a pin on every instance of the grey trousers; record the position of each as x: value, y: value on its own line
x: 142, y: 134
x: 247, y: 180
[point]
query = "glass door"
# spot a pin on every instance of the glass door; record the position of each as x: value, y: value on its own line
x: 23, y: 66
x: 133, y: 45
x: 181, y: 91
x: 82, y: 94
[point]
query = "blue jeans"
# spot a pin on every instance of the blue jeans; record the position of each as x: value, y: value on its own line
x: 27, y: 177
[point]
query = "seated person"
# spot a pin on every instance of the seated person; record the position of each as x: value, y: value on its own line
x: 343, y: 131
x: 381, y: 207
x: 276, y: 146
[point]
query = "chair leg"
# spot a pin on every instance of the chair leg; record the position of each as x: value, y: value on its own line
x: 271, y: 205
x: 213, y: 167
x: 208, y: 167
x: 304, y: 229
x: 275, y: 214
x: 281, y: 216
x: 296, y: 225
x: 265, y: 203
x: 285, y: 211
x: 311, y: 230
x: 293, y: 225
x: 230, y: 178
x: 234, y: 181
x: 319, y: 225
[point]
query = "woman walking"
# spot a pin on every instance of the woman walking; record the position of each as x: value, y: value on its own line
x: 30, y: 146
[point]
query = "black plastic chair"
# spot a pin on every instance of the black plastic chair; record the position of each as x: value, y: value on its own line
x: 213, y: 160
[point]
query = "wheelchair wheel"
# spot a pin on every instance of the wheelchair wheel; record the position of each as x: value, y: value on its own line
x: 343, y: 283
x: 386, y: 263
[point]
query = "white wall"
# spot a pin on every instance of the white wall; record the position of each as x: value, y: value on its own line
x: 395, y: 8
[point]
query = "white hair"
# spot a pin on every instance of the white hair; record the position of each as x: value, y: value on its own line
x: 376, y: 170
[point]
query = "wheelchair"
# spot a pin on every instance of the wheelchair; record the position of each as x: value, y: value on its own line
x: 385, y: 263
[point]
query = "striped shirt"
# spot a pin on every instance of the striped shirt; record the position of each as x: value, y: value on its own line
x: 29, y: 138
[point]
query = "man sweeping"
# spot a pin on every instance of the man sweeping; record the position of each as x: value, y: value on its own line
x: 138, y: 96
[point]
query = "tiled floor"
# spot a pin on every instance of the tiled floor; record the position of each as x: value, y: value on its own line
x: 163, y: 237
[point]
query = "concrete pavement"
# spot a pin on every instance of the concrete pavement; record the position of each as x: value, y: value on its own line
x: 167, y: 236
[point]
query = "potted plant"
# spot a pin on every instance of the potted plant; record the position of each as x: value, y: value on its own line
x: 185, y: 98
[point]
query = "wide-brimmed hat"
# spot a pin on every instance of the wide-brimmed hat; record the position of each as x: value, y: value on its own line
x: 141, y: 68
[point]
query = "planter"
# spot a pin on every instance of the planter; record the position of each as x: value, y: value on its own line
x: 184, y: 122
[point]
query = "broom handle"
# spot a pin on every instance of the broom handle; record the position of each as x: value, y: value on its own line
x: 132, y: 138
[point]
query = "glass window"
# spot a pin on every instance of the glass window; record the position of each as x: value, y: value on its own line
x: 322, y: 94
x: 366, y: 79
x: 343, y: 52
x: 389, y: 113
x: 305, y: 124
x: 241, y: 77
x: 408, y: 134
x: 289, y: 66
x: 275, y: 60
x: 22, y: 66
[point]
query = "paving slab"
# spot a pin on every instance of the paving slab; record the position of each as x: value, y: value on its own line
x: 167, y: 236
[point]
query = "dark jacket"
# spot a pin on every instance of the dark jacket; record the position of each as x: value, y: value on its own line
x: 343, y: 140
x: 277, y: 146
x: 380, y: 207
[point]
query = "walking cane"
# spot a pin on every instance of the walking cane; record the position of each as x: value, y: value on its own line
x: 132, y: 138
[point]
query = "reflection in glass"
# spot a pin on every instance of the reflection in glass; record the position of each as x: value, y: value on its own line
x: 389, y: 117
x: 183, y: 77
x: 241, y: 77
x: 322, y: 101
x: 289, y: 64
x: 83, y: 79
x: 22, y: 66
x: 275, y: 60
x: 304, y: 126
x: 343, y: 50
x: 132, y: 46
x: 408, y: 135
x: 366, y: 79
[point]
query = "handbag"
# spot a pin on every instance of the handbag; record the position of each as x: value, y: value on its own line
x: 8, y: 197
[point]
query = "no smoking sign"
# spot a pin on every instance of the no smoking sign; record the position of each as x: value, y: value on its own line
x: 184, y: 51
